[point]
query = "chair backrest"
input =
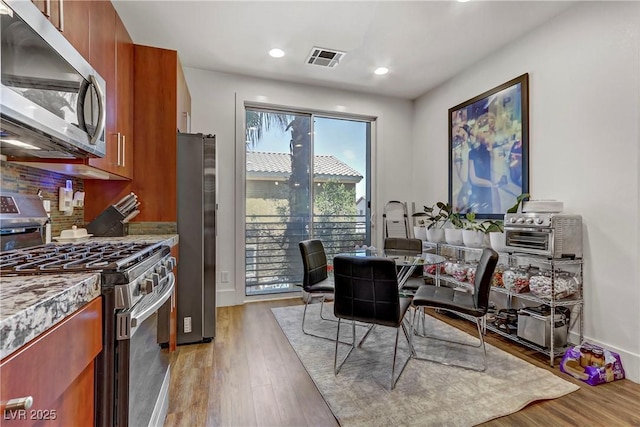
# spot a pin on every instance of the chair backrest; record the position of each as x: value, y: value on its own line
x: 414, y: 245
x: 366, y: 289
x: 403, y: 244
x: 314, y: 261
x: 484, y: 272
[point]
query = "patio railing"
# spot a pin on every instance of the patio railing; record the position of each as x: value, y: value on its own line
x: 272, y: 258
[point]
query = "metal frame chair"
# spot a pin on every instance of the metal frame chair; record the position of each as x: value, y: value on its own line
x: 366, y: 290
x: 476, y: 305
x: 315, y: 281
x: 395, y: 243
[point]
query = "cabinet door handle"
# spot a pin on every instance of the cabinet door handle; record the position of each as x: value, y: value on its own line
x: 47, y: 8
x: 61, y: 16
x: 118, y: 161
x: 124, y: 150
x: 19, y: 404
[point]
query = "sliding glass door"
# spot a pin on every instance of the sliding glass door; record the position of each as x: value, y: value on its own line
x: 307, y: 176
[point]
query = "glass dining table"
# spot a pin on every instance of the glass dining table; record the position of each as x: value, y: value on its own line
x: 408, y: 261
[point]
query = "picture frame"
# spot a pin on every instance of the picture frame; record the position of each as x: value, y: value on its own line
x: 489, y: 150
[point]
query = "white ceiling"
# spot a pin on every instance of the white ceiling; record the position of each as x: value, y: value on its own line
x: 423, y: 43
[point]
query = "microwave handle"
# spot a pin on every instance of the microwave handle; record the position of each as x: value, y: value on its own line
x: 103, y: 113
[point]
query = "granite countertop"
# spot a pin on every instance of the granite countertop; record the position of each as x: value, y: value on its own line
x: 30, y: 305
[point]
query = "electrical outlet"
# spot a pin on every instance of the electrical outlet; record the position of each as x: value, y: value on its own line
x: 187, y: 325
x: 224, y: 276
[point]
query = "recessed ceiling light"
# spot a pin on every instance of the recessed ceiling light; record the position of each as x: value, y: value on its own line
x: 462, y: 1
x: 381, y: 70
x: 276, y: 53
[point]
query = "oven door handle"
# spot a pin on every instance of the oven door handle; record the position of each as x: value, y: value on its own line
x: 127, y: 321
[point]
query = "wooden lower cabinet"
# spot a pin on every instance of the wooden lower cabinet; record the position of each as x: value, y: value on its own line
x: 57, y: 371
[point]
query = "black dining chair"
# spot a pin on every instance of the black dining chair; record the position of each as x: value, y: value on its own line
x: 473, y: 305
x: 366, y: 290
x: 412, y: 245
x: 315, y: 280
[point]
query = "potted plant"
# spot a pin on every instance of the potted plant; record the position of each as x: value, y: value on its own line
x: 420, y: 230
x: 453, y: 234
x: 473, y: 233
x: 435, y: 230
x: 433, y: 223
x: 495, y: 230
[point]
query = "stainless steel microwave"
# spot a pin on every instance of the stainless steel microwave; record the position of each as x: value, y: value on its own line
x: 52, y: 102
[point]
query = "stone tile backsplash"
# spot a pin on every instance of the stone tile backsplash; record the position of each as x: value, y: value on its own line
x: 26, y: 180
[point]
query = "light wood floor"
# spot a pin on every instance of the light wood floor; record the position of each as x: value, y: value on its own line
x: 250, y: 376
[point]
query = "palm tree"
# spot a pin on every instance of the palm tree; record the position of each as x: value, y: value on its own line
x: 258, y: 123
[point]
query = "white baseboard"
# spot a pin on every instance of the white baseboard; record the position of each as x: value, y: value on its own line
x: 226, y: 298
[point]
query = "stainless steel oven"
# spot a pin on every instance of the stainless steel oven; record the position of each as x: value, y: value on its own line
x: 552, y: 235
x: 137, y: 281
x: 142, y: 370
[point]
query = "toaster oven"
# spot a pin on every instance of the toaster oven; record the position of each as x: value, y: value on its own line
x: 552, y: 235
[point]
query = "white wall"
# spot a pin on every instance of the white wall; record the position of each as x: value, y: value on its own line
x: 584, y: 90
x: 218, y: 107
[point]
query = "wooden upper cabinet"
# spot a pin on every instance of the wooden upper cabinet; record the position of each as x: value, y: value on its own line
x: 71, y: 18
x: 102, y: 56
x: 53, y: 10
x: 124, y: 95
x: 75, y: 26
x: 111, y: 54
x: 160, y: 96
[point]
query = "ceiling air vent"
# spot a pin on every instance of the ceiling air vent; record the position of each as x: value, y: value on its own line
x: 325, y: 57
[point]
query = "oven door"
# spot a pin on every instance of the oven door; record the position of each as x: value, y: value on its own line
x: 142, y: 367
x: 529, y: 240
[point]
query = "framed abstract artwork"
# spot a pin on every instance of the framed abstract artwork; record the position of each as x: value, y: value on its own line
x: 489, y: 150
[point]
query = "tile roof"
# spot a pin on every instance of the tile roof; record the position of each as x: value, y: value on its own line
x: 279, y: 165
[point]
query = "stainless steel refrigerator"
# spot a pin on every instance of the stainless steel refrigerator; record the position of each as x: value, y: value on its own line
x: 196, y: 282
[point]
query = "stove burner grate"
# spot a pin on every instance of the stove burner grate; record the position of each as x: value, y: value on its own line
x: 70, y: 257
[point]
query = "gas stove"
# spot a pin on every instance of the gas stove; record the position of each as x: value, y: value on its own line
x: 137, y: 284
x: 134, y: 269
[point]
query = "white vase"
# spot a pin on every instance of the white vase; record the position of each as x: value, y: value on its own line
x: 498, y: 241
x: 453, y: 236
x: 420, y: 232
x: 473, y: 238
x: 435, y: 235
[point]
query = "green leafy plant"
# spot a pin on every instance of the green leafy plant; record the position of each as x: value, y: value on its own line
x: 455, y: 218
x: 471, y: 223
x: 519, y: 199
x: 433, y: 218
x: 491, y: 226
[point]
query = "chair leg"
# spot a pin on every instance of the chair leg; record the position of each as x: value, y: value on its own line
x: 366, y: 335
x: 321, y: 308
x: 481, y: 344
x: 352, y: 345
x: 304, y: 316
x: 394, y: 380
x: 424, y: 333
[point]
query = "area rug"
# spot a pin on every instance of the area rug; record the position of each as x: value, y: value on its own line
x: 427, y: 393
